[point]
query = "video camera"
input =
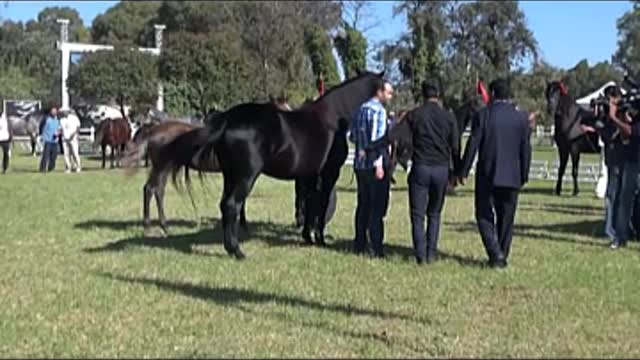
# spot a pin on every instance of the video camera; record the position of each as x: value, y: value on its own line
x: 628, y: 101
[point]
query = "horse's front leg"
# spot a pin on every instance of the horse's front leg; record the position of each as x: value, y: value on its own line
x: 564, y: 157
x: 328, y: 182
x: 575, y: 165
x: 310, y: 206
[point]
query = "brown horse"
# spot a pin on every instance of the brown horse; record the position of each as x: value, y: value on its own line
x: 116, y: 133
x: 151, y: 143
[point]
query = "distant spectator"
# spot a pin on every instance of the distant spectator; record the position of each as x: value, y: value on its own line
x: 70, y: 131
x: 5, y: 141
x: 51, y: 131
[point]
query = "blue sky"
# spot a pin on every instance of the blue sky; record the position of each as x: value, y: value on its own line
x: 567, y: 31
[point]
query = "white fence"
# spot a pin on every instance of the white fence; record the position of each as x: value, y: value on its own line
x: 540, y: 169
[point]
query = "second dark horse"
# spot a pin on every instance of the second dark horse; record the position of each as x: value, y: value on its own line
x: 569, y: 136
x: 309, y: 143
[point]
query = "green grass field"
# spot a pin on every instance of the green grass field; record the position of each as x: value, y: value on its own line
x: 78, y: 279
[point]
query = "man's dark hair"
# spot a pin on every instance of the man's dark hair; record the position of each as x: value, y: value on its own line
x: 612, y: 91
x: 500, y: 89
x: 430, y: 90
x: 378, y: 84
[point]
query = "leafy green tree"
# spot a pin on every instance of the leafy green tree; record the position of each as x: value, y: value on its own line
x: 47, y: 23
x: 124, y: 76
x: 319, y: 48
x: 424, y: 41
x: 352, y: 49
x: 126, y: 21
x: 207, y: 70
x: 627, y: 56
x: 14, y: 84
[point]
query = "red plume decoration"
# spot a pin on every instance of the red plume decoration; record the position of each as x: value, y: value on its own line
x: 483, y: 92
x: 563, y: 88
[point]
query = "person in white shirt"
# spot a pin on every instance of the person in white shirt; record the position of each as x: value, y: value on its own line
x: 70, y: 131
x: 5, y: 141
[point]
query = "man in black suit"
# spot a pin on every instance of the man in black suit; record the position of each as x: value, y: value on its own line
x: 500, y: 133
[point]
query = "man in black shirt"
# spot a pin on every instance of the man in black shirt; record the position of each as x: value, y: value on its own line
x: 434, y: 136
x: 435, y: 147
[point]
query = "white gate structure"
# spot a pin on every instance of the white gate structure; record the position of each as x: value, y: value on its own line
x: 67, y: 48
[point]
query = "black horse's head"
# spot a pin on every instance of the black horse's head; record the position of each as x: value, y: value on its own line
x: 554, y: 92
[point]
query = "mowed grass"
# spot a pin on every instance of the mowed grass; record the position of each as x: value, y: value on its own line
x: 78, y: 279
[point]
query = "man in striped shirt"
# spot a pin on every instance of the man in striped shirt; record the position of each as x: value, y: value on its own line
x: 370, y: 125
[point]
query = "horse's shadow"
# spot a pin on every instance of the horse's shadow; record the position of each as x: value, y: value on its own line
x: 272, y: 234
x: 238, y: 297
x: 184, y: 243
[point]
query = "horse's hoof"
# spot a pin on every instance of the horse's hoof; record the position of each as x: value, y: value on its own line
x: 237, y: 254
x: 164, y: 233
x: 148, y: 233
x: 306, y: 236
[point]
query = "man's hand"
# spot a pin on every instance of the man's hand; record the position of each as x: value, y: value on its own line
x: 379, y: 172
x: 533, y: 116
x: 613, y: 108
x: 587, y: 129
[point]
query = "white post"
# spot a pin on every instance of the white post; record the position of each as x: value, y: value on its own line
x: 64, y: 38
x: 158, y: 38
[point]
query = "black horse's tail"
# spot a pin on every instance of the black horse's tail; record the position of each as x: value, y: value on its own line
x: 99, y: 135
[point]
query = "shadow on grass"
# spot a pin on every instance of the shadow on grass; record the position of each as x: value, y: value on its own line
x: 569, y: 209
x: 270, y: 233
x: 274, y: 235
x: 549, y: 232
x: 232, y: 296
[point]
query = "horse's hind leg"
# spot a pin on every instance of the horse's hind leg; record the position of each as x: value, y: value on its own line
x: 575, y: 165
x: 104, y: 155
x: 33, y: 146
x: 564, y: 157
x: 114, y: 148
x: 147, y: 193
x: 159, y: 194
x: 234, y: 196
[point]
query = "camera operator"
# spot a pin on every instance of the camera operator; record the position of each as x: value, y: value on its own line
x: 630, y: 133
x: 614, y: 157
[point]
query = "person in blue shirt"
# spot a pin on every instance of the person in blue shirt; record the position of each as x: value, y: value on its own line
x: 50, y: 132
x: 373, y: 183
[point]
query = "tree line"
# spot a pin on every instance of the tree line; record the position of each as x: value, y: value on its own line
x: 217, y: 54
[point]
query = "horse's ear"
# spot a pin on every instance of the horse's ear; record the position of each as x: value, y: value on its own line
x: 358, y: 72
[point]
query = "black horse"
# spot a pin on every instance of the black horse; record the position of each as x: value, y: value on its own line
x: 309, y: 143
x: 569, y: 135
